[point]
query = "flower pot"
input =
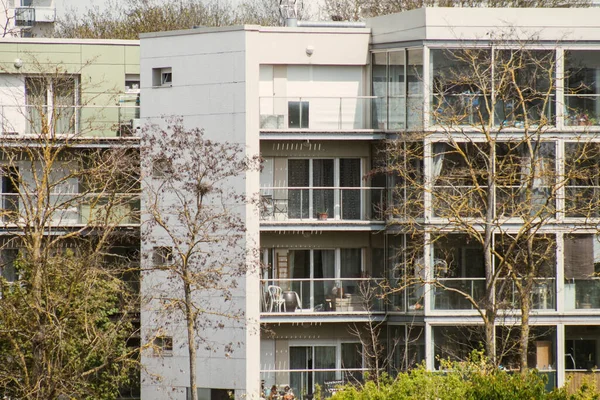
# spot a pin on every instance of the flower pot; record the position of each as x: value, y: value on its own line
x: 322, y: 216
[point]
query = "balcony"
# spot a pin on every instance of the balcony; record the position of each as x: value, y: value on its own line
x: 24, y: 16
x: 321, y: 114
x: 322, y: 204
x: 68, y: 209
x: 451, y: 294
x: 582, y: 294
x: 29, y: 16
x: 316, y: 296
x: 304, y: 381
x: 90, y: 121
x: 543, y: 294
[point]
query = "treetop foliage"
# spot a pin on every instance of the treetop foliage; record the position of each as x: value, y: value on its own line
x: 129, y: 18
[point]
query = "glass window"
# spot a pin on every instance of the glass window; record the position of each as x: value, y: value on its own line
x: 8, y: 257
x: 51, y: 104
x: 582, y: 179
x: 582, y: 267
x: 460, y: 173
x: 379, y: 90
x: 397, y: 90
x: 582, y: 87
x: 460, y: 82
x: 311, y: 359
x: 408, y: 344
x: 524, y: 87
x: 526, y: 174
x: 298, y: 114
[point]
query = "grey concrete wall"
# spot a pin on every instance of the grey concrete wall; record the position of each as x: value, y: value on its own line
x: 209, y: 91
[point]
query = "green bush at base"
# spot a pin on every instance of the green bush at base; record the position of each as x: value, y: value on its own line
x: 473, y: 380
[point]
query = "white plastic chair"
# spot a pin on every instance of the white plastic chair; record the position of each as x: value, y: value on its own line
x: 276, y: 298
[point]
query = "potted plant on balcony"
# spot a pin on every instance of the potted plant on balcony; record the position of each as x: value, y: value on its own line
x: 322, y: 215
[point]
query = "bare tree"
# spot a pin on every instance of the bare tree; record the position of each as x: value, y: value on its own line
x: 354, y: 10
x: 492, y: 183
x: 194, y: 221
x: 126, y: 20
x: 69, y: 290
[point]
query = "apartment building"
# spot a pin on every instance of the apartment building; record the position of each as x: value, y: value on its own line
x: 65, y: 104
x: 318, y: 103
x: 28, y: 18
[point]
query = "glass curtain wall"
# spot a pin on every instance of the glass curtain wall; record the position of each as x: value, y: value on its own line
x: 397, y: 84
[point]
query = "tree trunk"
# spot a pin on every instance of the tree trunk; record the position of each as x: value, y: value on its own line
x: 524, y: 338
x: 191, y: 336
x: 490, y: 307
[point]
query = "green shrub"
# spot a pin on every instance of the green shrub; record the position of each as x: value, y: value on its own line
x: 474, y: 380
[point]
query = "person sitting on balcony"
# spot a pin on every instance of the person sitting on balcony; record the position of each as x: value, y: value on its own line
x: 273, y: 395
x: 288, y: 394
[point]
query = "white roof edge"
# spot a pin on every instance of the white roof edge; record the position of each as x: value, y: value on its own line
x: 265, y: 29
x: 199, y: 30
x: 282, y: 29
x: 120, y: 42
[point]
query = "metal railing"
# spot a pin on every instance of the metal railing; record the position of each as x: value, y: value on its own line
x: 543, y: 294
x: 451, y: 293
x: 322, y: 203
x: 43, y: 120
x: 304, y: 381
x: 63, y: 209
x: 321, y: 295
x: 459, y: 200
x: 318, y: 113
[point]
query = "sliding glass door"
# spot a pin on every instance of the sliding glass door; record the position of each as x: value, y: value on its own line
x: 312, y: 184
x: 307, y: 359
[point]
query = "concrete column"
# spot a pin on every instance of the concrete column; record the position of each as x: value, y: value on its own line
x: 560, y: 355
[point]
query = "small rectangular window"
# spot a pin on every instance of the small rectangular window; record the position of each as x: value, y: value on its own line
x: 132, y: 83
x: 7, y: 264
x: 162, y: 255
x: 162, y: 77
x: 161, y: 168
x: 163, y: 345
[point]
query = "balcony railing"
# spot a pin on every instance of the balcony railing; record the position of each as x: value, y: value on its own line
x: 451, y: 293
x: 459, y: 200
x: 543, y: 294
x: 305, y: 380
x: 582, y: 201
x: 582, y: 294
x: 335, y: 295
x: 70, y: 120
x: 582, y: 110
x: 317, y: 113
x: 64, y: 209
x: 407, y: 298
x: 24, y: 16
x: 459, y: 109
x: 511, y: 201
x: 322, y: 203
